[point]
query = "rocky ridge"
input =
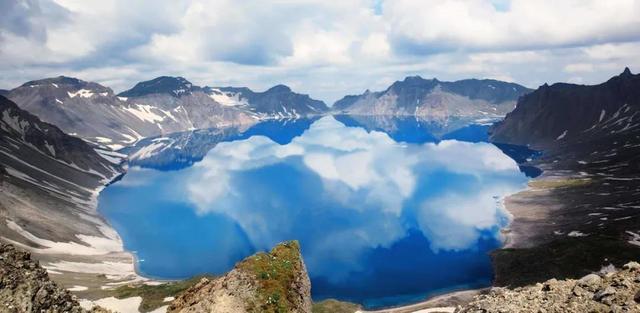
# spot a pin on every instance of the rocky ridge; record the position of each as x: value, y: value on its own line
x: 434, y: 100
x: 608, y: 291
x: 567, y: 113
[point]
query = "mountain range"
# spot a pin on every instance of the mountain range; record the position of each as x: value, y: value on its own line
x: 159, y: 106
x: 434, y: 100
x: 581, y: 211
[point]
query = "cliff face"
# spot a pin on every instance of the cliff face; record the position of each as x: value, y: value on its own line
x: 562, y: 113
x: 435, y: 100
x: 607, y: 291
x: 25, y: 286
x: 265, y: 282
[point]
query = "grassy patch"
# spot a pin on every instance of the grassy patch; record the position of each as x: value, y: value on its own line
x: 560, y: 183
x: 153, y: 296
x: 275, y: 273
x: 335, y: 306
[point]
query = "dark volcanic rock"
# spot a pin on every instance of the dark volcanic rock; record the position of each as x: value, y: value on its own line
x: 561, y: 112
x: 174, y: 86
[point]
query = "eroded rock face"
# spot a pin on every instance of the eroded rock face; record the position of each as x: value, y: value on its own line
x: 265, y: 282
x: 25, y: 286
x: 611, y: 292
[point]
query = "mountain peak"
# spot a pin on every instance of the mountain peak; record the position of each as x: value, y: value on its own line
x: 414, y: 78
x: 60, y: 80
x: 175, y: 86
x: 626, y: 72
x: 279, y: 88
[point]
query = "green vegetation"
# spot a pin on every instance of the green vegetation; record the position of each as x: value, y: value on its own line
x: 560, y: 183
x: 153, y: 296
x: 335, y: 306
x: 275, y: 272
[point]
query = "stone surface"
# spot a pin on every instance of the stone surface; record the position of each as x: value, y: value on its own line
x: 25, y: 287
x: 617, y: 292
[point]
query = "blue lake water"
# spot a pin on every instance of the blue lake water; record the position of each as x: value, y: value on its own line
x: 386, y: 212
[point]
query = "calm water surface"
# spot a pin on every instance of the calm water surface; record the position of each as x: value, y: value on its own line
x: 387, y: 211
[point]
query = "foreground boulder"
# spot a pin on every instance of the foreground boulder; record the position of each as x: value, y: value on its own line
x: 265, y: 282
x: 25, y: 286
x: 608, y: 291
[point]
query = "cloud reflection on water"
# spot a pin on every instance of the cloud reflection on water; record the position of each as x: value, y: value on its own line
x: 343, y: 190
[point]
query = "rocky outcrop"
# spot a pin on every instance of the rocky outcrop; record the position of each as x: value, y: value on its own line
x: 563, y: 113
x: 607, y: 291
x: 265, y: 282
x: 434, y: 100
x: 25, y: 287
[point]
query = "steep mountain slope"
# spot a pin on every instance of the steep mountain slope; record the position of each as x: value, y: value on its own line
x: 565, y: 112
x: 85, y: 109
x: 584, y: 206
x: 49, y: 183
x: 180, y: 105
x: 436, y: 100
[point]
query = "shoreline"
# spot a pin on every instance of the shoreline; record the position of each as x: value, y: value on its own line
x: 448, y: 297
x: 448, y: 300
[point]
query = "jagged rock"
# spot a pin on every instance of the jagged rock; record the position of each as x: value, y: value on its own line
x: 618, y: 292
x: 265, y: 282
x: 25, y: 287
x: 603, y: 293
x: 589, y: 280
x: 632, y: 266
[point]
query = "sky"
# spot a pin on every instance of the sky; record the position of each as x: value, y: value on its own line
x: 326, y: 49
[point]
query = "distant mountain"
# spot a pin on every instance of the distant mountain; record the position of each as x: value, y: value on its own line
x: 49, y: 180
x: 86, y: 109
x: 563, y: 113
x: 4, y: 92
x: 279, y: 101
x: 156, y: 107
x: 434, y: 100
x: 174, y: 86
